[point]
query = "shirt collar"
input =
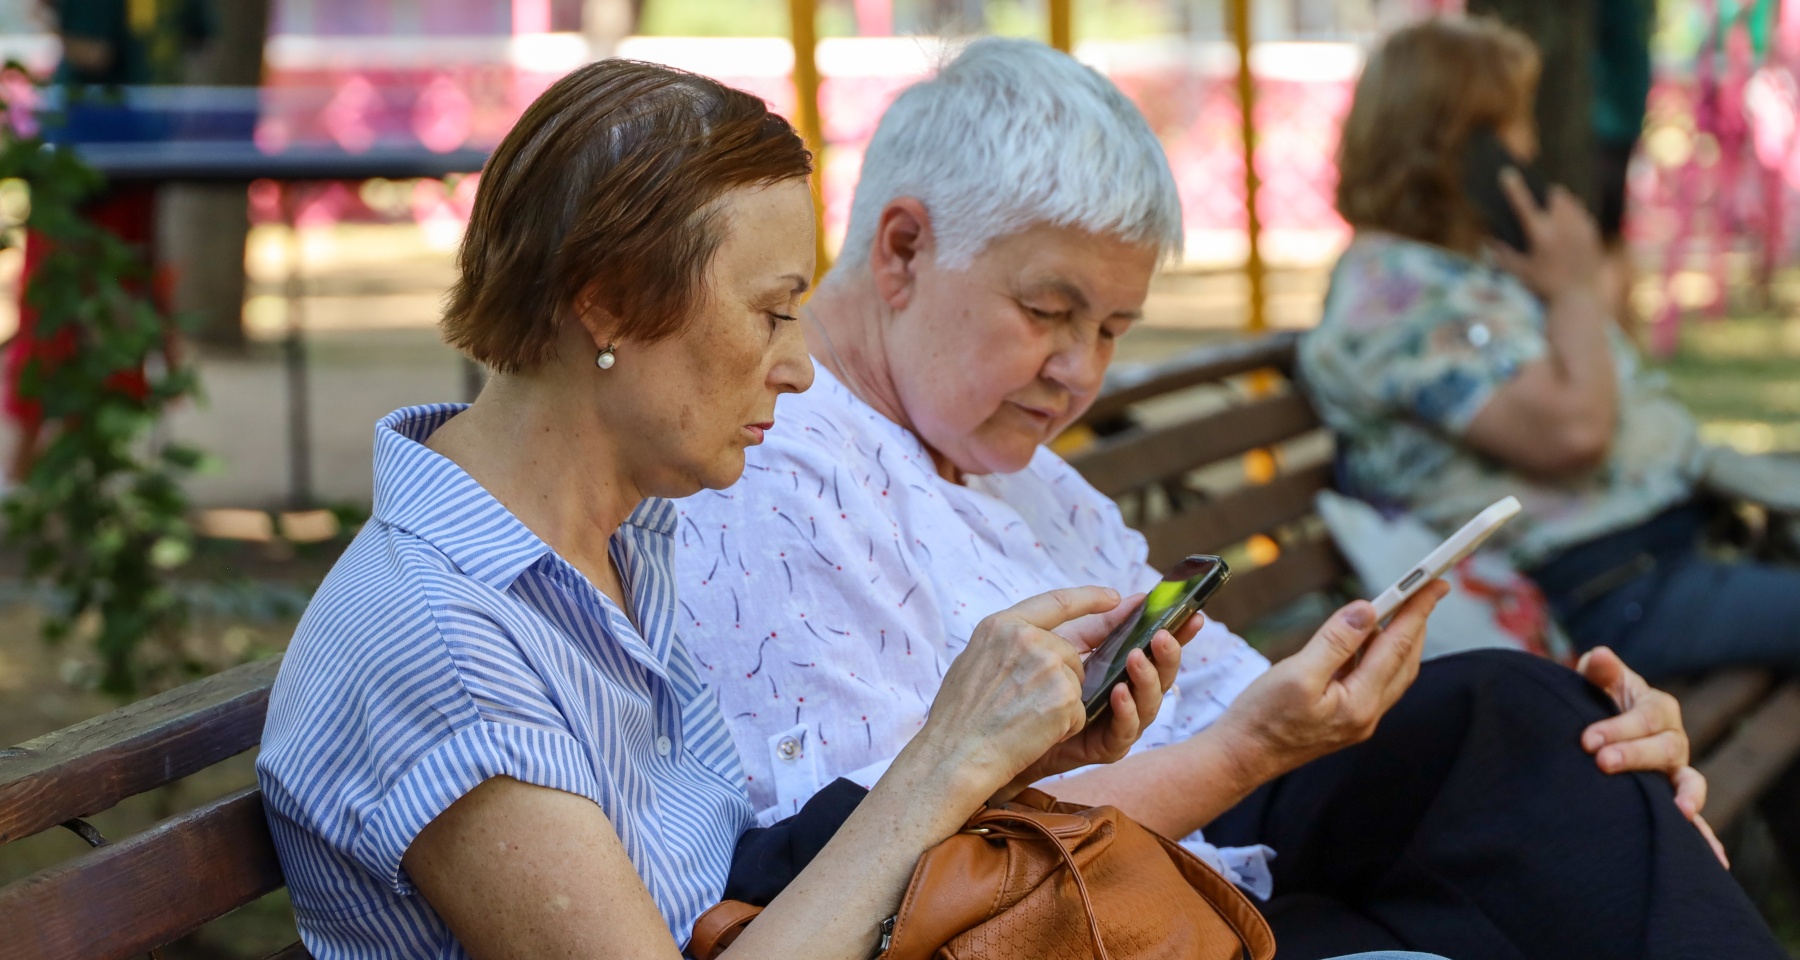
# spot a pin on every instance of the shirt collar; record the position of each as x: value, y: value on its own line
x: 424, y: 493
x: 655, y: 515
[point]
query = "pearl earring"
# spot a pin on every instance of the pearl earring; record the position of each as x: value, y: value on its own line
x: 606, y: 358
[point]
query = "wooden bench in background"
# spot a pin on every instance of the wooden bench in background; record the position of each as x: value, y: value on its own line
x: 1175, y: 445
x: 1178, y: 472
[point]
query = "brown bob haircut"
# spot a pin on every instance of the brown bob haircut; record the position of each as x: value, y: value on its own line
x: 603, y: 196
x: 1422, y: 93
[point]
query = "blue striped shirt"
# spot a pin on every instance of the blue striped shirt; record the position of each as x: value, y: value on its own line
x: 450, y: 645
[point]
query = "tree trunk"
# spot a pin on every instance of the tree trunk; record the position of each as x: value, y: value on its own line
x: 1564, y: 33
x: 203, y: 227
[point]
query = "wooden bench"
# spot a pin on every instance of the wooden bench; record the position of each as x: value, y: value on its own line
x: 1178, y: 474
x: 1217, y: 452
x: 127, y: 897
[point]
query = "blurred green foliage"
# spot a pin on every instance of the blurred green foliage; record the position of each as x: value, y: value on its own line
x: 101, y: 515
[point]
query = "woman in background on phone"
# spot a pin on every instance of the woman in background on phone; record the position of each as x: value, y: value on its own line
x: 1456, y: 370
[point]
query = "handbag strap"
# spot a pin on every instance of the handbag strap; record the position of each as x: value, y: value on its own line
x: 1087, y: 905
x: 718, y: 927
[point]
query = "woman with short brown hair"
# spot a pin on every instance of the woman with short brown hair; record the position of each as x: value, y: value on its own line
x: 488, y: 738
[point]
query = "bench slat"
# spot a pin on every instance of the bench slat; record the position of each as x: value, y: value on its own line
x: 1762, y: 747
x: 81, y: 770
x: 1301, y: 569
x: 1203, y: 365
x: 1713, y: 705
x: 1211, y: 527
x: 1130, y: 460
x: 118, y: 901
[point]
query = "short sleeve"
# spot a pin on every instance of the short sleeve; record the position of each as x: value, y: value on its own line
x: 367, y: 742
x: 456, y: 765
x: 1419, y: 334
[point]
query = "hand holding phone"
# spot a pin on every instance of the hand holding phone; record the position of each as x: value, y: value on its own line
x: 1484, y: 157
x: 1448, y: 554
x: 1168, y: 605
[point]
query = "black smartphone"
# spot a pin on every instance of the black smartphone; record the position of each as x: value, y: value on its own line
x: 1483, y: 159
x: 1167, y: 606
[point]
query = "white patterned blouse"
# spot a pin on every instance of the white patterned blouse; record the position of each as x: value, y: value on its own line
x: 824, y: 594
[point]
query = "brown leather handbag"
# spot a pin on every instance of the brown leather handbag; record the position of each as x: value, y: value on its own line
x: 1035, y: 879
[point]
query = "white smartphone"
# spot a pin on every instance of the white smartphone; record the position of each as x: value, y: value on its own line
x: 1448, y: 554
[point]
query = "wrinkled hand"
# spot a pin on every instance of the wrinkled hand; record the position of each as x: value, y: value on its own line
x: 1646, y: 735
x: 1134, y: 704
x: 1015, y: 691
x: 1565, y: 253
x: 1333, y: 692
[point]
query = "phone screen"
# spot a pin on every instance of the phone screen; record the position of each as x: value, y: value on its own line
x: 1168, y: 604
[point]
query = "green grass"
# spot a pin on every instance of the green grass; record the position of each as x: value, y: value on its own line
x: 1741, y: 377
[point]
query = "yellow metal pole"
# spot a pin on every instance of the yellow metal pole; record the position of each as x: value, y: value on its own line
x: 1246, y: 91
x: 1062, y: 26
x: 1260, y: 465
x: 806, y: 109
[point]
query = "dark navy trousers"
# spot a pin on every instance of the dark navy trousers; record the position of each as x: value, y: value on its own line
x: 1474, y: 826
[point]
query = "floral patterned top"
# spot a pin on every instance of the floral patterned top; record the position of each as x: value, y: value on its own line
x: 1415, y: 339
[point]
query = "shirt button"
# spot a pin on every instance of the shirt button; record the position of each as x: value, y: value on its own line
x: 788, y: 748
x: 663, y: 746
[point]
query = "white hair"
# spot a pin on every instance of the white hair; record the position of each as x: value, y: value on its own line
x: 1010, y: 134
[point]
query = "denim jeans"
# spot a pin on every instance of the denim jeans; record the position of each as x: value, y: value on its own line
x: 1668, y: 610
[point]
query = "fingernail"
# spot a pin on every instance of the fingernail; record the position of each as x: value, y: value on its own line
x: 1359, y: 617
x: 1593, y: 740
x: 1112, y: 594
x: 1609, y: 759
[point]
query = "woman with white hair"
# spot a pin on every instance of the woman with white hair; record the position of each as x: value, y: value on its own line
x: 1011, y: 213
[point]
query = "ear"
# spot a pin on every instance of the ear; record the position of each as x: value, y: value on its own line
x: 903, y: 238
x: 597, y: 322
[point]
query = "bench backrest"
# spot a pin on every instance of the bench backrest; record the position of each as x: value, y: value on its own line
x: 1210, y: 450
x: 126, y: 898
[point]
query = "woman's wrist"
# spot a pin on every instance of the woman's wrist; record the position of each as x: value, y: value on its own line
x: 947, y: 769
x: 1246, y: 759
x: 1578, y: 296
